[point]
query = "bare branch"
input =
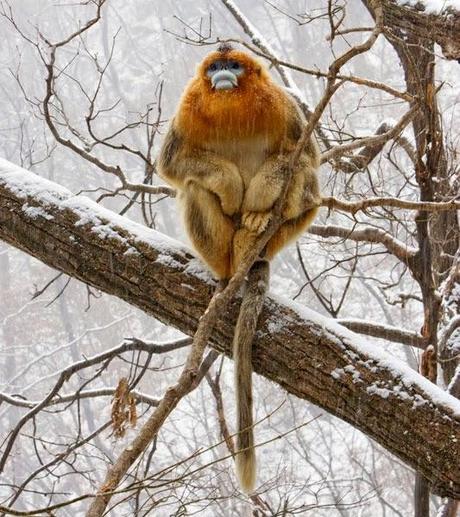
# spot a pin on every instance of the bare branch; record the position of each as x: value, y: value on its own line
x: 47, y: 106
x: 340, y: 150
x: 70, y: 397
x: 353, y: 207
x: 368, y: 234
x: 370, y: 328
x: 66, y: 373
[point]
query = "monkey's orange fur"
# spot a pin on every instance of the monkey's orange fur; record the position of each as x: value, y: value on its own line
x: 224, y: 153
x: 254, y: 108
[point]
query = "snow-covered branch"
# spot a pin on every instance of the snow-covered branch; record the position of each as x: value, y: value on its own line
x: 353, y: 207
x: 306, y: 354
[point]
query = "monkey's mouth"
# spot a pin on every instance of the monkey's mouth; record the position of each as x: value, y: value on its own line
x: 224, y: 80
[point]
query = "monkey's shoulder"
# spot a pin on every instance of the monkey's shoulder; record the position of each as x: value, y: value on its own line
x: 295, y: 124
x: 172, y: 143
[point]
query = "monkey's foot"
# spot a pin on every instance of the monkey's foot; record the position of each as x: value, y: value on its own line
x: 256, y: 221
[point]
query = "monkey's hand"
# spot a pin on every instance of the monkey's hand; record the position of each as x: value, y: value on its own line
x: 256, y: 222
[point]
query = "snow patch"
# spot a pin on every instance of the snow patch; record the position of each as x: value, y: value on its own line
x: 356, y: 374
x: 337, y: 373
x: 107, y: 224
x: 131, y: 251
x: 24, y: 183
x: 398, y: 391
x: 384, y: 393
x: 34, y: 212
x: 196, y: 268
x: 340, y: 373
x: 275, y: 326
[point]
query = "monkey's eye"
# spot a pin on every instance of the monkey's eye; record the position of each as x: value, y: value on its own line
x: 212, y: 67
x: 234, y: 65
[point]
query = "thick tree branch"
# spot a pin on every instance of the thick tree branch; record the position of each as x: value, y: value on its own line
x: 442, y: 28
x: 306, y: 354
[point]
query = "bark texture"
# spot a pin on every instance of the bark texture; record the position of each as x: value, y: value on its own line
x: 307, y: 355
x: 443, y: 28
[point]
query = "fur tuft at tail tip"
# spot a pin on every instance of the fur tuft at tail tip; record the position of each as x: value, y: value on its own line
x: 246, y: 470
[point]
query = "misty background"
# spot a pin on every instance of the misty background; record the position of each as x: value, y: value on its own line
x: 325, y: 467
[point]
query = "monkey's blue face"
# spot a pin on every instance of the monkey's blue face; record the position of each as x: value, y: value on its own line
x: 224, y: 74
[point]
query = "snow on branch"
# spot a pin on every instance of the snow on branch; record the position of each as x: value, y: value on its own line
x: 308, y: 355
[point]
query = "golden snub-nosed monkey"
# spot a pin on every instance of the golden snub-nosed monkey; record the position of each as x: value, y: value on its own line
x: 226, y: 152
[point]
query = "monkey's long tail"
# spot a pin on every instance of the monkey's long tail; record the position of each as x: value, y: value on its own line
x: 251, y: 306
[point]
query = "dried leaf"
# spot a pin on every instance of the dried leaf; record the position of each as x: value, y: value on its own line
x: 123, y: 409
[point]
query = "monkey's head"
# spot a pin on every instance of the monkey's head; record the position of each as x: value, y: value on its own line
x: 231, y: 95
x: 229, y: 69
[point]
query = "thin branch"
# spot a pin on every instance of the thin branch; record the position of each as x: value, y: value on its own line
x: 370, y: 328
x: 50, y: 93
x: 368, y: 234
x: 66, y: 373
x: 340, y: 150
x: 280, y: 63
x: 353, y: 207
x: 15, y: 400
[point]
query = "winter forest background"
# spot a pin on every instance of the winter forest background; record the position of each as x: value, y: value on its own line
x: 114, y: 88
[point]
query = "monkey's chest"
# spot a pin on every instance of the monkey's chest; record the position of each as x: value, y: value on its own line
x: 247, y: 154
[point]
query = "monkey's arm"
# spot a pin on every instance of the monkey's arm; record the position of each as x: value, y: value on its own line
x: 263, y: 191
x: 266, y: 187
x: 304, y: 192
x: 182, y: 165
